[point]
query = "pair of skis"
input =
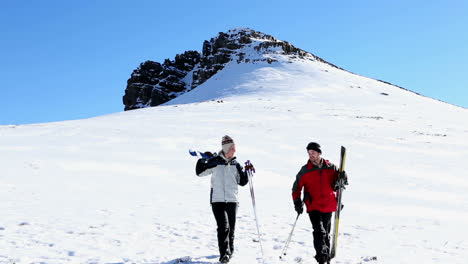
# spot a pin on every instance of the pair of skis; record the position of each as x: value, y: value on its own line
x: 339, y: 195
x: 202, y: 155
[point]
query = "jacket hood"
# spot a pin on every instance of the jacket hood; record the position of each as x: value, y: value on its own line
x: 221, y: 154
x: 325, y: 163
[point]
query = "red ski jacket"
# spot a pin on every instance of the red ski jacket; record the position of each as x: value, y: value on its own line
x: 318, y: 187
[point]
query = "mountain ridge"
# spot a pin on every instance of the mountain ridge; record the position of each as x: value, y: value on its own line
x: 153, y: 83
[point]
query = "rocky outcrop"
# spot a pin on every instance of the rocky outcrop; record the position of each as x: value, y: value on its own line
x: 152, y: 83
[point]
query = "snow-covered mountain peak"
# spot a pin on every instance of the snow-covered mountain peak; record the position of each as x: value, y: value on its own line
x: 242, y: 42
x: 246, y: 33
x: 153, y: 83
x: 234, y: 60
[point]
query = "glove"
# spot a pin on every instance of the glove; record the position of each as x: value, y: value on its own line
x: 244, y: 178
x: 344, y: 176
x: 341, y: 176
x: 298, y: 206
x: 249, y: 167
x: 299, y: 209
x: 336, y: 186
x: 209, y: 154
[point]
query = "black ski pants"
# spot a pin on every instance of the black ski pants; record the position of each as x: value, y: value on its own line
x: 225, y: 215
x: 321, y: 223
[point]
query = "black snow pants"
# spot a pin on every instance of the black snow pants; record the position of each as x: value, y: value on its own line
x: 321, y: 223
x: 225, y: 215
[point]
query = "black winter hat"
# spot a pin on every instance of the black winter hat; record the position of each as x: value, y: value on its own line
x: 314, y: 146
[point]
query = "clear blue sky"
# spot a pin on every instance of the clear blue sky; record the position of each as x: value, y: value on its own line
x: 63, y: 60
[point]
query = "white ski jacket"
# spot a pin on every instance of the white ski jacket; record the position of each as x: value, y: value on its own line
x: 226, y: 175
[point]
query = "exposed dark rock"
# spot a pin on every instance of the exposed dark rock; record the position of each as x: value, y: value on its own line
x: 152, y: 83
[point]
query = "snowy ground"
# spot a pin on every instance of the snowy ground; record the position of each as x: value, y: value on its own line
x: 122, y: 188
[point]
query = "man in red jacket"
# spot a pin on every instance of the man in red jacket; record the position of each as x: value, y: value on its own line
x: 317, y: 178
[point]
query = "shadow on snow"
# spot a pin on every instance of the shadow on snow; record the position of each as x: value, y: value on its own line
x: 190, y: 260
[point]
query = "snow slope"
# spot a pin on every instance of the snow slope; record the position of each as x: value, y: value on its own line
x: 121, y: 188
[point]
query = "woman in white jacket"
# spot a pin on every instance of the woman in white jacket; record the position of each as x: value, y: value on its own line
x: 226, y: 175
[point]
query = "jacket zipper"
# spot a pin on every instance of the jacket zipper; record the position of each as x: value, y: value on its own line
x: 224, y: 183
x: 320, y: 177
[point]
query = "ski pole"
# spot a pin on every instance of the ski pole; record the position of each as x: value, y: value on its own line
x: 252, y: 194
x: 283, y: 253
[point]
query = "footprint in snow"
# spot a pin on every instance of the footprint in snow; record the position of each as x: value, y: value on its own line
x: 369, y: 258
x: 277, y: 247
x: 190, y: 260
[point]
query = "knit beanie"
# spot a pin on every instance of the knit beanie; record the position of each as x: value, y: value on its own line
x: 226, y: 143
x: 314, y: 146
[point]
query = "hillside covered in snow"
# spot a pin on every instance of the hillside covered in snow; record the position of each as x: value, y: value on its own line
x: 122, y: 188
